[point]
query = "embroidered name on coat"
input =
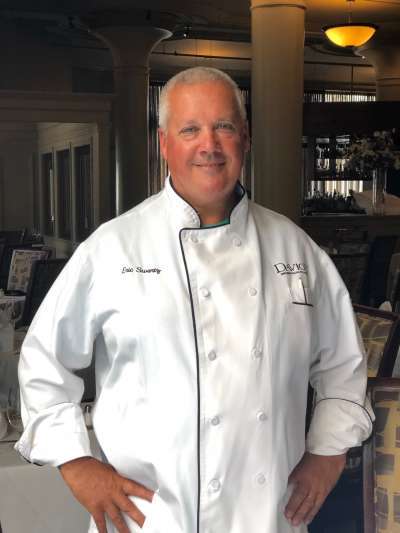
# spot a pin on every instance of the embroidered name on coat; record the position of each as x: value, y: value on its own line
x: 140, y: 270
x: 290, y: 268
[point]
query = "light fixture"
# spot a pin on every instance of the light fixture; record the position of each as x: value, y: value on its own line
x: 351, y: 34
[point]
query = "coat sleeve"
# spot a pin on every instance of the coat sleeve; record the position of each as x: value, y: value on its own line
x: 342, y: 416
x: 59, y: 341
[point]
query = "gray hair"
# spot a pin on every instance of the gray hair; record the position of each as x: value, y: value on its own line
x: 192, y: 76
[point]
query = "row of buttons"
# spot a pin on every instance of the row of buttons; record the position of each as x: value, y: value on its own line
x: 206, y: 292
x: 235, y: 241
x: 261, y: 417
x: 256, y: 353
x: 215, y: 484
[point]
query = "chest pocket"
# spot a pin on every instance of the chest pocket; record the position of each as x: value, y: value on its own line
x: 299, y: 292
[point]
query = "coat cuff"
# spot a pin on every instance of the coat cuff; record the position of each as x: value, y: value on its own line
x: 337, y: 425
x: 55, y: 436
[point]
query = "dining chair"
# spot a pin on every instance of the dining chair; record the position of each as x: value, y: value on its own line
x: 380, y: 331
x: 5, y: 261
x: 21, y: 266
x: 13, y: 236
x: 376, y: 278
x: 381, y: 459
x: 43, y: 274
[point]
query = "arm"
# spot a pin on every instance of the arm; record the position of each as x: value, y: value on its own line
x: 342, y: 418
x: 60, y: 341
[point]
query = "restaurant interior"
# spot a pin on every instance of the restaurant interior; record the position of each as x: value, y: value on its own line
x: 79, y: 93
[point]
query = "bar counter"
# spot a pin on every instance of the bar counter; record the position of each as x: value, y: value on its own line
x: 329, y: 227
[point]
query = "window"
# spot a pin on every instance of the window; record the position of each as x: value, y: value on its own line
x: 48, y: 193
x: 83, y: 192
x: 64, y: 193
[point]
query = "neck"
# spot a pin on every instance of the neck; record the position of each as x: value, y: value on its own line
x: 216, y: 214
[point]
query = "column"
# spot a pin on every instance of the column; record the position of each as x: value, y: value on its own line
x: 277, y: 103
x: 383, y: 52
x: 130, y: 47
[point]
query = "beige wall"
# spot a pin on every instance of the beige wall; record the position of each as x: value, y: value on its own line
x: 18, y: 144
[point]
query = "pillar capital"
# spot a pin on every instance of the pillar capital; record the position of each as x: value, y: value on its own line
x: 131, y: 45
x: 256, y: 4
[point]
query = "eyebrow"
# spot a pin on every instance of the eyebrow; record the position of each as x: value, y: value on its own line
x: 193, y: 121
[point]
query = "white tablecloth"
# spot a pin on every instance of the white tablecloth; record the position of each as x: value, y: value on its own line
x: 35, y: 499
x: 16, y: 303
x: 9, y: 369
x: 8, y: 376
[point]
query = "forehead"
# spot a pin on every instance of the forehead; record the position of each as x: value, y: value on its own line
x: 205, y: 100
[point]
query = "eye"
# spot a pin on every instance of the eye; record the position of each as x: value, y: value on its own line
x: 189, y: 130
x: 225, y: 126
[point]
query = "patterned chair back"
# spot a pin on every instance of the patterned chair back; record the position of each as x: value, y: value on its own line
x: 381, y: 460
x: 380, y: 331
x: 21, y: 266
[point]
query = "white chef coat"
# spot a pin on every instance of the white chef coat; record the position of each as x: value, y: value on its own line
x: 204, y: 342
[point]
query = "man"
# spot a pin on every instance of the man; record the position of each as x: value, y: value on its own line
x: 207, y: 315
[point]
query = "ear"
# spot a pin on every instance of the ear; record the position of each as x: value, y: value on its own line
x: 162, y: 136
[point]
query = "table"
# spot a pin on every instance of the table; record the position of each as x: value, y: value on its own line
x: 8, y: 375
x: 9, y: 368
x: 35, y: 499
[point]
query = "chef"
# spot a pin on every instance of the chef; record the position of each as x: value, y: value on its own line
x: 207, y: 316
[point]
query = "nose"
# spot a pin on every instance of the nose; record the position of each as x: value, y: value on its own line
x: 209, y: 141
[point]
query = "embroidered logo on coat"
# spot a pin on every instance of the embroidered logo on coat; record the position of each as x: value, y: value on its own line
x: 290, y: 268
x: 140, y: 270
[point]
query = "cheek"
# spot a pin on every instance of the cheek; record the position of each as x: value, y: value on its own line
x: 180, y: 154
x: 236, y: 151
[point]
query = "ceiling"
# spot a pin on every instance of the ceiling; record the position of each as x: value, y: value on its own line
x: 209, y: 19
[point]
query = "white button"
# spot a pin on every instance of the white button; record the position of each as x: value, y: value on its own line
x: 215, y: 420
x: 236, y: 241
x: 212, y: 355
x: 261, y: 479
x: 256, y: 353
x: 214, y: 485
x: 204, y: 292
x: 261, y: 416
x: 194, y: 239
x: 252, y: 291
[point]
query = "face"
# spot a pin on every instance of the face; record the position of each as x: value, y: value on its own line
x: 205, y: 143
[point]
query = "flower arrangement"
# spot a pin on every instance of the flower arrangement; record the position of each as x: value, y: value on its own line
x: 377, y: 151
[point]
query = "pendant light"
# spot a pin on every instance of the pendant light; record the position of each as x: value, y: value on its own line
x: 352, y: 34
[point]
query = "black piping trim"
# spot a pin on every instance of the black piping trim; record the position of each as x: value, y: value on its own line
x: 239, y: 189
x: 346, y: 400
x: 198, y: 376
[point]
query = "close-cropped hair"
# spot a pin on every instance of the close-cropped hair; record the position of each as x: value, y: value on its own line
x: 192, y: 76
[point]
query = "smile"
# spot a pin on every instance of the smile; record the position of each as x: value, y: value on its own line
x: 209, y: 165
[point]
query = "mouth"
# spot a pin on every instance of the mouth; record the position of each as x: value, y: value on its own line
x: 209, y: 165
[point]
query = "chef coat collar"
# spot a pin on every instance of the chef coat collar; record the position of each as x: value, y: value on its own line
x: 186, y: 216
